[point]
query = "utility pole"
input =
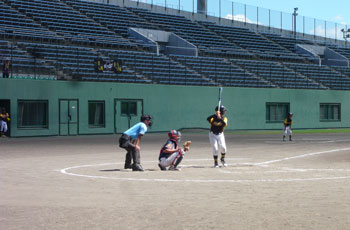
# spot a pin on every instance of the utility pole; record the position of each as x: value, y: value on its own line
x: 295, y: 14
x: 346, y: 35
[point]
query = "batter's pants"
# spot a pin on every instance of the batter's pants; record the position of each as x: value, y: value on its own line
x: 287, y: 130
x: 217, y: 142
x: 132, y: 153
x: 3, y: 126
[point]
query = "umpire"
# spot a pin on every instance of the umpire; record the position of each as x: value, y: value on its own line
x: 130, y: 141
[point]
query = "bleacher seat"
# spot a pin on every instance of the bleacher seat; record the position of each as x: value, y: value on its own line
x: 50, y: 39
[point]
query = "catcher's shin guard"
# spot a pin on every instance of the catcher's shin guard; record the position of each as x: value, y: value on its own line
x: 178, y: 161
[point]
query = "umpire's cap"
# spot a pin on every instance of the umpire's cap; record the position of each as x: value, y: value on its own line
x: 146, y: 117
x: 222, y: 108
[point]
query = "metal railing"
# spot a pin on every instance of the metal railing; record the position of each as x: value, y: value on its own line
x: 237, y: 14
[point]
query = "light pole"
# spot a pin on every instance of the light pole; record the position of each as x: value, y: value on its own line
x: 346, y: 34
x: 295, y: 14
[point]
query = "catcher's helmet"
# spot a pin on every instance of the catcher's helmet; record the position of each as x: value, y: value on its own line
x: 222, y: 108
x: 174, y: 135
x: 146, y: 118
x: 290, y: 114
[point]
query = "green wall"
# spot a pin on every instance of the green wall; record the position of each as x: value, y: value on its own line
x: 173, y: 107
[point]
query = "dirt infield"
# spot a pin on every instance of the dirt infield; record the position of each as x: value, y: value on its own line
x: 79, y: 183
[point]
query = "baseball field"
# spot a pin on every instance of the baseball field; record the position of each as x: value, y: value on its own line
x: 79, y: 183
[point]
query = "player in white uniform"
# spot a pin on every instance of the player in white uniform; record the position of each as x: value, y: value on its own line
x: 218, y: 122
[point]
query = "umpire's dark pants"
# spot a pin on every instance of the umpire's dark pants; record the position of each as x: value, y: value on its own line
x: 132, y: 153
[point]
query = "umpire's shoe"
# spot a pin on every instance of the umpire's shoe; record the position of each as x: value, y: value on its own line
x: 127, y: 166
x: 137, y: 167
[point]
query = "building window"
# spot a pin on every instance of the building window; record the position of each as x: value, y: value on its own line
x: 32, y: 114
x: 129, y: 108
x: 96, y: 114
x: 276, y: 112
x: 329, y: 112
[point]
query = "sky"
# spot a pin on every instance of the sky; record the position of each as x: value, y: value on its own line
x: 334, y: 11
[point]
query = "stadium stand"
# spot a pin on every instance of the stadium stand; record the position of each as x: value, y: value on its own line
x: 207, y: 41
x: 61, y: 39
x: 15, y: 25
x: 72, y: 25
x: 223, y: 72
x: 253, y: 42
x: 77, y: 62
x: 159, y: 69
x: 115, y: 18
x: 322, y: 74
x: 24, y: 65
x: 288, y: 43
x: 277, y: 73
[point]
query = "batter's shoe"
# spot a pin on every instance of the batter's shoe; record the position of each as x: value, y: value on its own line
x: 284, y: 138
x: 290, y: 138
x: 223, y: 162
x: 161, y: 167
x: 137, y: 167
x: 216, y: 165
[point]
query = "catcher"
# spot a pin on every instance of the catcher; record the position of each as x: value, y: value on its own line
x: 170, y: 154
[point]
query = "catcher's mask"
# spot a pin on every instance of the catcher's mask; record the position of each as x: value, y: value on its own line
x: 146, y: 118
x: 174, y: 135
x: 222, y: 108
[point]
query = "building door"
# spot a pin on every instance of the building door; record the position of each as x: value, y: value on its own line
x: 127, y: 113
x: 6, y: 104
x: 69, y: 111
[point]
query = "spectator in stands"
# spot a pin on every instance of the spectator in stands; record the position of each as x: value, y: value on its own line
x: 6, y: 68
x: 4, y: 119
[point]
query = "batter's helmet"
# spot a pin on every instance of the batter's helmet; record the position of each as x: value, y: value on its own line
x: 174, y: 135
x: 222, y: 108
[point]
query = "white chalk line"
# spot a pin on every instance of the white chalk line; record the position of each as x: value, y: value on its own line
x: 333, y: 141
x: 300, y: 156
x: 263, y: 164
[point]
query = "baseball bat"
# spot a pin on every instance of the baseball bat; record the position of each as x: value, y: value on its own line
x: 220, y: 95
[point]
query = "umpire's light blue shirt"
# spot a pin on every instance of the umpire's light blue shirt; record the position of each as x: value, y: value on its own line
x: 136, y: 130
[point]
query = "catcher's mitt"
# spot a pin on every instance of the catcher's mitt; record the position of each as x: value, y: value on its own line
x: 187, y: 145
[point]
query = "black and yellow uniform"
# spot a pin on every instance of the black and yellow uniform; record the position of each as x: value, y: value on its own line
x: 217, y: 125
x: 288, y: 121
x: 288, y: 126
